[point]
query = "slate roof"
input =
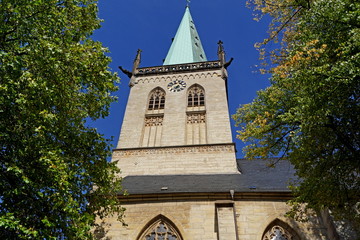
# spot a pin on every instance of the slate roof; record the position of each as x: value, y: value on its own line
x: 255, y: 176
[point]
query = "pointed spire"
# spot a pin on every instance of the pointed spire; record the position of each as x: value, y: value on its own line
x: 137, y: 60
x: 221, y: 52
x: 186, y: 46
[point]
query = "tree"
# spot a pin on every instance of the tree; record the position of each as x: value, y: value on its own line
x: 311, y: 112
x: 54, y: 174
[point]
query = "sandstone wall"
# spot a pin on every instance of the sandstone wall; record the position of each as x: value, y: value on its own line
x: 211, y: 220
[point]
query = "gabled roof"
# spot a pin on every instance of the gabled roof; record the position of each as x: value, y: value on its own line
x: 255, y: 176
x: 186, y: 46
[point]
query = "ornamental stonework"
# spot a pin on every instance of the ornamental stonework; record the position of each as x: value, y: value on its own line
x: 277, y: 233
x: 175, y: 150
x: 196, y: 118
x: 184, y: 77
x: 154, y: 121
x: 161, y: 231
x: 202, y: 66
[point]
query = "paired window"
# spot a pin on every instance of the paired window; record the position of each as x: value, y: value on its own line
x: 161, y: 228
x: 195, y: 98
x: 196, y: 132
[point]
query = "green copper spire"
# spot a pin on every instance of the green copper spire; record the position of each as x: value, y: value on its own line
x: 186, y: 47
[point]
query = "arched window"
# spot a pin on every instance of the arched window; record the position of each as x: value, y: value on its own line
x: 160, y: 228
x: 196, y: 96
x: 157, y: 99
x: 154, y: 117
x: 196, y: 116
x: 278, y: 230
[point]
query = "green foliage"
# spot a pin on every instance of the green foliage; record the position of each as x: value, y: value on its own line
x: 311, y: 112
x: 54, y: 176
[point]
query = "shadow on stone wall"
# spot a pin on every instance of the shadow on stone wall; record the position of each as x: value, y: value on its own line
x: 101, y: 230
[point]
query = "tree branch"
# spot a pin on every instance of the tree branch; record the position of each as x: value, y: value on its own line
x: 283, y: 26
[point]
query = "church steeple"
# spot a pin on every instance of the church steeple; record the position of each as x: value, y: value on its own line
x: 186, y: 46
x: 177, y: 119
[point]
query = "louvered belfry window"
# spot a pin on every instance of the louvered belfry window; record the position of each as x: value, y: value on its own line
x: 154, y: 117
x: 196, y: 96
x: 157, y: 99
x: 196, y: 132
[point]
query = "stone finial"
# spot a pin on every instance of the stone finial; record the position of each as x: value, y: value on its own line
x: 137, y: 60
x: 136, y: 64
x: 221, y: 52
x: 221, y: 55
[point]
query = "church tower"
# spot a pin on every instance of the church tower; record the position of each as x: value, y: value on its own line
x: 178, y: 163
x: 177, y: 119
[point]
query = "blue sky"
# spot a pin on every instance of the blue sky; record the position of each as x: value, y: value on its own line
x: 150, y: 25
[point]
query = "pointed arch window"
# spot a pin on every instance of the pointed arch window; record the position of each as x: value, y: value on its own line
x: 196, y: 96
x: 154, y: 116
x: 157, y: 99
x: 278, y: 230
x: 160, y: 229
x: 196, y: 132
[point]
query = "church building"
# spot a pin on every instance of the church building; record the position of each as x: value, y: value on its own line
x: 178, y: 161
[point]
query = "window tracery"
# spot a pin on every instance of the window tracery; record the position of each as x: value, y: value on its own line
x: 279, y: 230
x: 196, y: 132
x: 154, y: 116
x: 157, y: 99
x: 277, y: 233
x: 196, y: 96
x: 160, y: 230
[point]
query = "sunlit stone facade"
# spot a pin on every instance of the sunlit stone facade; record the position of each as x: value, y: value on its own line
x: 178, y: 162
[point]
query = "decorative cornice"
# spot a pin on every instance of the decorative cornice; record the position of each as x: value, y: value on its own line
x: 230, y: 147
x: 179, y: 76
x: 209, y: 196
x: 171, y: 69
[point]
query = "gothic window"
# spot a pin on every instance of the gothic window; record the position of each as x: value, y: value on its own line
x: 196, y: 116
x: 161, y: 229
x: 196, y: 96
x: 279, y: 230
x: 152, y: 131
x: 157, y: 99
x: 277, y: 233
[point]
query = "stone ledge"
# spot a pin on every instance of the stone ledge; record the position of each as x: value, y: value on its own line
x: 243, y: 196
x: 178, y: 68
x: 201, y: 148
